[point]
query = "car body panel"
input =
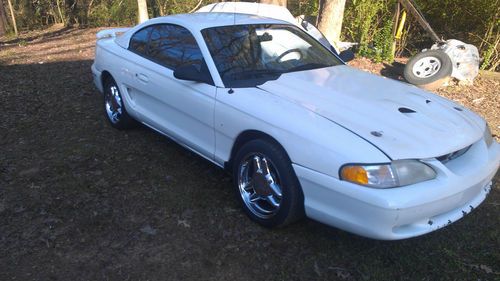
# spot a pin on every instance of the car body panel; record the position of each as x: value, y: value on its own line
x: 251, y: 109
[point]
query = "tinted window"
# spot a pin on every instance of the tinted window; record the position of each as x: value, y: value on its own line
x: 173, y: 46
x: 250, y: 55
x: 139, y: 41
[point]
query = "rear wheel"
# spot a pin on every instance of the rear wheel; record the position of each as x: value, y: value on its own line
x: 114, y: 108
x: 266, y: 184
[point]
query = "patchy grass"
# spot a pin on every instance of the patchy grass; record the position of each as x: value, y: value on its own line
x: 82, y: 201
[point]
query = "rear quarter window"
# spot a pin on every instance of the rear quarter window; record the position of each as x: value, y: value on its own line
x: 172, y: 46
x: 139, y: 41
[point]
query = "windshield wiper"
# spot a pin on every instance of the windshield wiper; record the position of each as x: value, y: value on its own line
x: 308, y: 66
x: 256, y: 73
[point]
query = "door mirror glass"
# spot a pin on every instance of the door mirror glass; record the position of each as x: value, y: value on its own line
x: 347, y: 55
x: 191, y: 73
x: 305, y: 24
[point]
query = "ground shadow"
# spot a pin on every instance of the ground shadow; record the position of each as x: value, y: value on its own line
x: 42, y: 35
x: 394, y: 71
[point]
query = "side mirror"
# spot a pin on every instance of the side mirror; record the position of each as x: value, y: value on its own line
x: 347, y: 55
x: 191, y: 73
x: 305, y: 24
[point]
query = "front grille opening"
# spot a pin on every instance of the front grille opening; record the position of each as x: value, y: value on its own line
x: 454, y: 155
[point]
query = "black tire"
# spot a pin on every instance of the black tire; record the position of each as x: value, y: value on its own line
x: 415, y: 70
x: 291, y: 206
x: 113, y: 97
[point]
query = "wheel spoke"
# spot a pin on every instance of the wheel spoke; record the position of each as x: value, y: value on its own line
x: 248, y: 185
x: 270, y: 199
x: 260, y: 209
x: 256, y: 161
x: 266, y: 166
x: 276, y: 190
x: 254, y: 197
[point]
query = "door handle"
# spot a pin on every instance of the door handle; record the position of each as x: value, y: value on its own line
x: 142, y: 77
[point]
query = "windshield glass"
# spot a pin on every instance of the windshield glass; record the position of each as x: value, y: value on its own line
x: 250, y: 55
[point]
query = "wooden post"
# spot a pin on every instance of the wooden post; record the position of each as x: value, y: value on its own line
x: 397, y: 12
x: 410, y: 7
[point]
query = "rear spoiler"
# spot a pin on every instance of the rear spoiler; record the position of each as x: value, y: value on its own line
x: 110, y: 33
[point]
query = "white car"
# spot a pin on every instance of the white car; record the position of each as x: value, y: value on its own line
x: 301, y: 132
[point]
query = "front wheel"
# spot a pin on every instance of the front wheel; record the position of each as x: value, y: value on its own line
x: 266, y: 184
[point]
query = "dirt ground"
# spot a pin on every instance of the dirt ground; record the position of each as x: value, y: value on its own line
x: 82, y: 201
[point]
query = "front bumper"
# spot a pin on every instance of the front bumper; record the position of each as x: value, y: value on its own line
x: 404, y: 212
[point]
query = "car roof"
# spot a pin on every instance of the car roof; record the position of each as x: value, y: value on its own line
x: 259, y: 9
x: 199, y: 21
x: 202, y: 20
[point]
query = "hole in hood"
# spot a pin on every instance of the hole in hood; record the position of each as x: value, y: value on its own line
x: 406, y: 110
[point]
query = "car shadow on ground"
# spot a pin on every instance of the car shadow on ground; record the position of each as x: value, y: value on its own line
x: 80, y: 200
x: 40, y: 36
x: 394, y: 71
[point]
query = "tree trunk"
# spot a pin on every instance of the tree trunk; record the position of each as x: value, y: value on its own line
x: 143, y: 10
x: 331, y: 14
x: 274, y: 2
x: 13, y: 16
x: 3, y: 20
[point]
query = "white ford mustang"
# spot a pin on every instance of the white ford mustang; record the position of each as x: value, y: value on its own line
x: 301, y: 132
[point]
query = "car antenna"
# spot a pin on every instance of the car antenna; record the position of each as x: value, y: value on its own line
x: 231, y: 91
x: 234, y: 14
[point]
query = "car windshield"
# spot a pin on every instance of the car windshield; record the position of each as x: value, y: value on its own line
x: 250, y: 55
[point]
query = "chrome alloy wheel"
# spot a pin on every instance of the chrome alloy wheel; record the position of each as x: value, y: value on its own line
x: 426, y: 67
x: 259, y: 185
x: 113, y: 104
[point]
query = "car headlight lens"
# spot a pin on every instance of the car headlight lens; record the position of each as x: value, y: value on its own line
x: 397, y: 173
x: 488, y: 137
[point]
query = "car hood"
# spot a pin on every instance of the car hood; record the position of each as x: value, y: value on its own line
x: 403, y: 121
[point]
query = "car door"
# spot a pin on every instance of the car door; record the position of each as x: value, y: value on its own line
x: 183, y: 110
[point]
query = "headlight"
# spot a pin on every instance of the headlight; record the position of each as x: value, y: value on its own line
x: 488, y: 138
x: 397, y: 173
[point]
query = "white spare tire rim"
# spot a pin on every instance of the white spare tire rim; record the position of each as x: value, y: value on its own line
x: 426, y: 67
